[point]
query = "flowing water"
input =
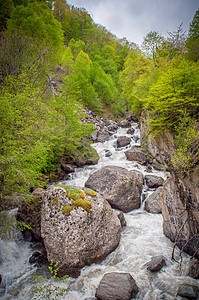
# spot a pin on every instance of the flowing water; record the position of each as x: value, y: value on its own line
x: 141, y: 239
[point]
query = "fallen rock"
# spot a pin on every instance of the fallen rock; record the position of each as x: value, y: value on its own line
x: 121, y: 217
x: 153, y: 202
x: 137, y: 154
x: 103, y: 136
x: 123, y: 141
x: 78, y: 228
x: 108, y: 153
x: 193, y: 270
x: 125, y: 124
x: 117, y: 285
x: 188, y: 291
x: 156, y: 263
x: 153, y: 181
x: 120, y: 187
x: 130, y: 131
x: 68, y: 168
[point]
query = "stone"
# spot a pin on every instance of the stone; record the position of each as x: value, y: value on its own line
x: 86, y: 155
x: 125, y: 124
x: 156, y: 263
x: 153, y: 201
x: 136, y: 138
x: 117, y: 285
x: 153, y: 181
x: 130, y: 131
x: 175, y: 215
x: 103, y: 136
x: 68, y: 168
x: 108, y: 153
x: 30, y: 213
x: 193, y: 270
x: 78, y: 227
x: 121, y: 217
x: 188, y: 291
x: 123, y: 141
x: 136, y: 154
x: 120, y: 187
x: 38, y: 257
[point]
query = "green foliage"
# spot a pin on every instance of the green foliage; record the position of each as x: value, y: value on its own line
x: 174, y: 91
x: 37, y: 22
x: 187, y: 145
x: 48, y: 288
x: 193, y: 38
x: 22, y: 226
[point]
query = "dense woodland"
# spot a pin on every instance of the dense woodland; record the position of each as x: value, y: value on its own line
x: 47, y: 42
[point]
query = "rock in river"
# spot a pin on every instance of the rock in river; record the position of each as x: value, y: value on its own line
x: 120, y: 187
x: 78, y: 227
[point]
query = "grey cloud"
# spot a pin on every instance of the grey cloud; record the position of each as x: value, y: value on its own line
x: 133, y: 19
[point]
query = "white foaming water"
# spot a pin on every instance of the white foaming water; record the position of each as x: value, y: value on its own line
x: 141, y: 239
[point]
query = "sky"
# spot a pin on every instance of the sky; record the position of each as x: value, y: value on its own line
x: 134, y: 19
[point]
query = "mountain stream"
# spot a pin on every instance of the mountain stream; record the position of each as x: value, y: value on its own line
x: 141, y: 239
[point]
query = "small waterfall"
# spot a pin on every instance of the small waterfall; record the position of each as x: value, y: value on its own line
x: 14, y: 256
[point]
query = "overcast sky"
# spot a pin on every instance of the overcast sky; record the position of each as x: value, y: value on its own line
x: 133, y: 19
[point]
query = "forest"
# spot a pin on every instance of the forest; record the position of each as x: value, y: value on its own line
x: 45, y: 44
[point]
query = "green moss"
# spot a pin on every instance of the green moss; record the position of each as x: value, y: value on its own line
x: 55, y: 201
x: 84, y: 203
x: 75, y: 194
x: 66, y: 209
x: 90, y: 193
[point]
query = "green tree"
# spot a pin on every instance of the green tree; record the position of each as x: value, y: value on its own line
x: 193, y: 38
x: 152, y: 43
x: 37, y: 22
x: 175, y: 90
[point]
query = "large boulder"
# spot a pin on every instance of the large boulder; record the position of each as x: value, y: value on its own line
x: 123, y: 141
x: 116, y: 285
x: 153, y: 181
x: 120, y: 187
x: 153, y: 202
x: 137, y: 154
x: 78, y: 228
x: 180, y: 213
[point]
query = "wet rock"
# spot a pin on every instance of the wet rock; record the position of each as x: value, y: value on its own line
x: 123, y: 141
x: 112, y: 127
x: 78, y: 227
x: 94, y: 136
x: 30, y: 213
x: 86, y: 155
x: 125, y: 124
x: 131, y: 131
x: 175, y: 213
x: 27, y: 236
x: 120, y: 187
x: 156, y: 263
x: 121, y: 217
x: 38, y: 257
x: 103, y: 136
x: 68, y: 168
x: 136, y: 138
x: 108, y: 153
x: 188, y: 291
x: 137, y: 154
x: 193, y: 270
x: 117, y: 285
x: 153, y: 181
x: 153, y: 202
